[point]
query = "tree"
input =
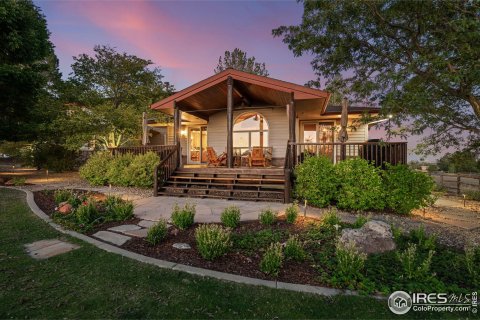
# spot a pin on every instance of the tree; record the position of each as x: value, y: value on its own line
x: 237, y: 59
x: 419, y: 60
x: 459, y: 161
x: 107, y: 94
x: 28, y: 70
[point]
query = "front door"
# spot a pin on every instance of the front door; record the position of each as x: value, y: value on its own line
x: 197, y: 145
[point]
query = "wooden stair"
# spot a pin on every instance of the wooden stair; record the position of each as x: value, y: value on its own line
x: 223, y: 183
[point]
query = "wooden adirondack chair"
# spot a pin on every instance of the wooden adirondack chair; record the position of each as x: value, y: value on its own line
x: 213, y: 159
x: 258, y: 157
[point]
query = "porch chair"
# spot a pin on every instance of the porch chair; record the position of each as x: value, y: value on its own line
x: 213, y: 159
x: 257, y: 157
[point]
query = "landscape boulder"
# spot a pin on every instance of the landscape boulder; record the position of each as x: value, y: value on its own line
x: 66, y: 208
x: 374, y: 237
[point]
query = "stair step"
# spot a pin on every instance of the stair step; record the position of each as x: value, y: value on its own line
x: 223, y: 190
x: 229, y: 178
x: 219, y: 197
x: 243, y: 185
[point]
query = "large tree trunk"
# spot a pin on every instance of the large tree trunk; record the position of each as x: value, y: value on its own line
x: 475, y: 103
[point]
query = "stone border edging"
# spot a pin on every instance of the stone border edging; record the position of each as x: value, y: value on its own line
x: 185, y: 268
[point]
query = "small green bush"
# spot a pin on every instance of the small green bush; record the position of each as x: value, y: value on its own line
x: 183, y: 218
x: 140, y: 171
x: 360, y: 221
x: 472, y: 195
x: 316, y: 181
x: 122, y: 211
x: 472, y: 261
x: 157, y: 232
x: 231, y: 217
x: 420, y: 237
x: 294, y: 249
x: 267, y: 217
x: 272, y: 260
x: 251, y: 241
x: 350, y: 263
x: 19, y: 181
x: 361, y: 186
x: 87, y: 213
x: 62, y: 195
x: 116, y: 172
x: 291, y: 213
x: 95, y: 169
x: 331, y: 218
x: 213, y: 241
x: 407, y: 189
x: 414, y: 268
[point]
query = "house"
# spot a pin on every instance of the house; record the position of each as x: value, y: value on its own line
x: 246, y: 117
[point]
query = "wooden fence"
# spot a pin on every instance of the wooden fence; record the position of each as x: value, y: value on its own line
x: 457, y: 183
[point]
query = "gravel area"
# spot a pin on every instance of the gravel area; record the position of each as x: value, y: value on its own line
x: 448, y: 235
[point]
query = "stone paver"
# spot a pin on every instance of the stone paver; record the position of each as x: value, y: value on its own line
x: 207, y: 210
x: 111, y: 237
x: 181, y: 246
x: 45, y: 249
x: 140, y: 233
x: 146, y: 223
x: 125, y: 227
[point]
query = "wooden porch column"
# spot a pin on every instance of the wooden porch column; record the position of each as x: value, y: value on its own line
x: 230, y: 122
x: 291, y: 128
x: 177, y: 126
x: 176, y: 123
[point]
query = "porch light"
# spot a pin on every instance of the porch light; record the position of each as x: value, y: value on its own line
x: 183, y: 133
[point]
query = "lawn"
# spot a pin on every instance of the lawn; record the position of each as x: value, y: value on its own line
x: 91, y: 283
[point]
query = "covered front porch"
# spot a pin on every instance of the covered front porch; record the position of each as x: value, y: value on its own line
x: 241, y: 119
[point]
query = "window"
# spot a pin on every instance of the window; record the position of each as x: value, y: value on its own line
x: 250, y: 130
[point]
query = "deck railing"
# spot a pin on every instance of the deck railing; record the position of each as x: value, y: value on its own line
x: 161, y: 150
x: 378, y: 153
x: 167, y: 166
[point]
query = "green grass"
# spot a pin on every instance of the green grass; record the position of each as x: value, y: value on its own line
x: 91, y: 283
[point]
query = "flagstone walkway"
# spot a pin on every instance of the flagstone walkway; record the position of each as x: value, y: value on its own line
x: 207, y: 210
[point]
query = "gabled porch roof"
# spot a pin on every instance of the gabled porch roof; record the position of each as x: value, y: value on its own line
x: 210, y: 95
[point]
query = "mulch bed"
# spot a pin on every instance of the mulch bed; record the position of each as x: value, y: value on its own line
x: 238, y: 262
x: 45, y: 201
x: 235, y: 262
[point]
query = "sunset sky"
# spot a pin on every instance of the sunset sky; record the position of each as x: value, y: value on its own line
x: 183, y: 38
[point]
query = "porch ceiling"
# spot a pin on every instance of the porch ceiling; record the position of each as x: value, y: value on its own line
x: 210, y: 95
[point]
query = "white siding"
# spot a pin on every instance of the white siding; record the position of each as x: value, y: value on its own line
x: 277, y: 135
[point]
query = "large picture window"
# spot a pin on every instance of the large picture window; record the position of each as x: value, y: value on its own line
x: 250, y: 130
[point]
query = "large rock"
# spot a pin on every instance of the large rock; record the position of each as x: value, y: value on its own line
x: 65, y: 208
x: 374, y: 237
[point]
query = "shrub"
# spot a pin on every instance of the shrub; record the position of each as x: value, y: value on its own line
x: 294, y: 249
x: 350, y: 262
x: 213, y: 241
x: 62, y: 195
x: 157, y: 232
x: 291, y: 213
x: 95, y: 169
x: 18, y: 181
x: 140, y: 171
x: 231, y: 217
x: 252, y: 241
x: 272, y: 260
x: 360, y: 221
x: 331, y: 218
x: 267, y: 217
x: 117, y: 169
x: 122, y: 210
x: 87, y: 213
x: 424, y: 242
x: 361, y: 186
x: 472, y: 195
x: 472, y: 261
x: 316, y: 181
x: 183, y: 218
x: 413, y: 266
x: 407, y: 189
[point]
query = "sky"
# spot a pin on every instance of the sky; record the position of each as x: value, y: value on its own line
x: 184, y: 38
